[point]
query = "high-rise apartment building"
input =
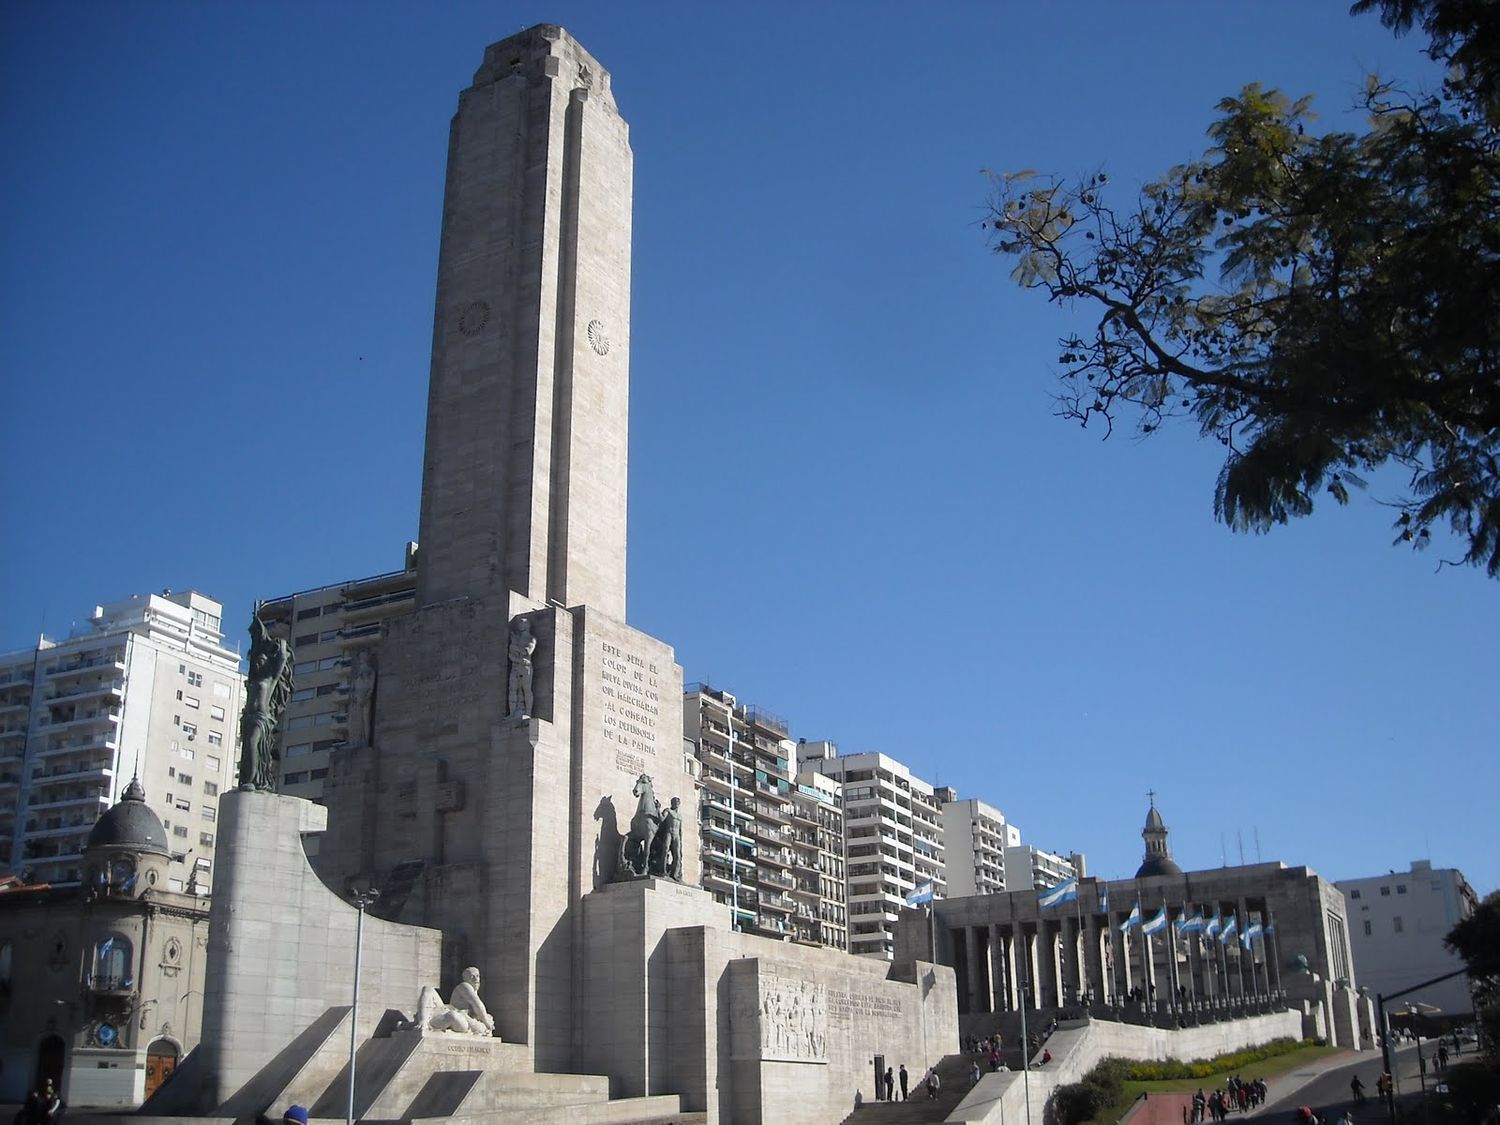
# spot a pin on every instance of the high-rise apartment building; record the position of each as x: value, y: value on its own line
x: 771, y: 847
x: 145, y: 688
x: 893, y: 839
x: 1397, y: 923
x: 975, y: 836
x: 1029, y: 866
x: 329, y: 627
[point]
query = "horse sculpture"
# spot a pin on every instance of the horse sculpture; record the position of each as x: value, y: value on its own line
x: 635, y: 848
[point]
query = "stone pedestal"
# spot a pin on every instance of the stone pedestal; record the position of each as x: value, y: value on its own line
x: 626, y: 981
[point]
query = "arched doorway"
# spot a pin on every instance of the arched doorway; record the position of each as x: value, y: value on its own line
x: 51, y: 1055
x: 161, y: 1060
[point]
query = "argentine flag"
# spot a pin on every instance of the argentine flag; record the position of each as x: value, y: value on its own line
x: 1215, y: 924
x: 1193, y: 925
x: 1229, y: 928
x: 922, y: 892
x: 1252, y: 931
x: 1132, y: 919
x: 1157, y: 923
x: 1066, y: 891
x: 1104, y: 900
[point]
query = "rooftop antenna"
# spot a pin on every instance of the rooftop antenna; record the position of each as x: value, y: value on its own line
x: 1256, y: 830
x: 1223, y: 859
x: 1240, y: 839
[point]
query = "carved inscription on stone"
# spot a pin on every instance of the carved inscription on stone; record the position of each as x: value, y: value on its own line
x: 793, y: 1019
x: 845, y: 1006
x: 631, y: 690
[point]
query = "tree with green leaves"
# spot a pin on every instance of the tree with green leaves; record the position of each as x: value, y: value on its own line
x: 1477, y: 940
x: 1324, y: 304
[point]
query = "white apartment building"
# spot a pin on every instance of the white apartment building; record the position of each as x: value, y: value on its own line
x: 328, y: 627
x: 1029, y: 866
x: 145, y: 688
x: 975, y: 837
x: 893, y: 839
x: 1397, y: 923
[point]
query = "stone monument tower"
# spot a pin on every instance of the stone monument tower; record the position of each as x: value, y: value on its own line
x: 514, y: 710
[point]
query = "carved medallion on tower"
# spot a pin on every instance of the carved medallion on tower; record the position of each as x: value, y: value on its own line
x: 598, y: 338
x: 475, y: 316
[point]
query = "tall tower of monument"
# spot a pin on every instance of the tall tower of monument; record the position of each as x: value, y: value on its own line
x: 524, y: 477
x: 513, y: 708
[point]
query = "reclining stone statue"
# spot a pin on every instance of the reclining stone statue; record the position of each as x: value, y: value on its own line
x: 464, y: 1014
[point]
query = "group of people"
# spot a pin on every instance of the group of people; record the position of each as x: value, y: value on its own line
x: 1236, y: 1094
x: 885, y: 1084
x: 43, y: 1107
x: 987, y: 1051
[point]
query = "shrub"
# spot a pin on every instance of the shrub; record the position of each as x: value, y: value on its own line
x: 1203, y: 1068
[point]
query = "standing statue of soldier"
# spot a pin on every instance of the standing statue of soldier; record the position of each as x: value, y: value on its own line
x: 267, y: 691
x: 518, y: 682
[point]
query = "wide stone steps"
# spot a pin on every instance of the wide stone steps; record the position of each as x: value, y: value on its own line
x: 953, y: 1075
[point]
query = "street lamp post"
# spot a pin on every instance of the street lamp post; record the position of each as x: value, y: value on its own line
x: 1025, y: 1047
x: 361, y: 900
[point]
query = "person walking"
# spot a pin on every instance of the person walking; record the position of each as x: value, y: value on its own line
x: 1357, y: 1088
x: 933, y: 1082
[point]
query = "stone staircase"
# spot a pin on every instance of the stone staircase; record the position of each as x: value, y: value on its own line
x: 953, y: 1074
x: 406, y: 1077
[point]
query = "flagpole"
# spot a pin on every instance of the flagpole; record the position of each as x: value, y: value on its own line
x: 1077, y: 946
x: 1192, y: 976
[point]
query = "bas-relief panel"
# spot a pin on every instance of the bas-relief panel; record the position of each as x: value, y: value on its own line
x: 794, y: 1016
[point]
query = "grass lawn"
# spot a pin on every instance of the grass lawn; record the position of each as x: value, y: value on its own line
x: 1266, y: 1068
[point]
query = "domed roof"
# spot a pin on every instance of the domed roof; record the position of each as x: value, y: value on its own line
x: 1158, y: 865
x: 1154, y: 820
x: 130, y: 824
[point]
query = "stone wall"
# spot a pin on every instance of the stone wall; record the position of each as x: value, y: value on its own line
x: 281, y: 946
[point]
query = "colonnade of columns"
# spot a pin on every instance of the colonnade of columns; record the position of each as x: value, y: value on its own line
x: 1063, y: 959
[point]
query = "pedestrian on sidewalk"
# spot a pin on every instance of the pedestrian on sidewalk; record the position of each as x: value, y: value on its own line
x: 890, y: 1084
x: 1357, y: 1088
x: 933, y: 1082
x: 904, y: 1094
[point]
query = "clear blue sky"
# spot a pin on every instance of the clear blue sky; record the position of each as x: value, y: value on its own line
x: 850, y: 503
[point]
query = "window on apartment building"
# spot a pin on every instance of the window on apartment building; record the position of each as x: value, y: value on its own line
x: 217, y: 713
x: 1353, y: 894
x: 209, y: 814
x: 185, y: 778
x: 1369, y: 928
x: 179, y: 693
x: 195, y: 679
x: 215, y: 738
x: 171, y: 771
x: 303, y: 667
x: 317, y: 775
x: 296, y: 777
x: 190, y: 729
x: 1386, y: 891
x: 211, y: 788
x: 177, y: 719
x: 1400, y: 888
x: 180, y: 830
x: 183, y: 804
x: 304, y: 614
x: 205, y: 839
x: 215, y: 763
x: 327, y: 689
x: 221, y: 690
x: 302, y: 694
x: 306, y: 639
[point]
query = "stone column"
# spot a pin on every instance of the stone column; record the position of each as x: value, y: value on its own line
x: 977, y: 982
x: 1012, y: 992
x: 998, y: 984
x: 1093, y: 960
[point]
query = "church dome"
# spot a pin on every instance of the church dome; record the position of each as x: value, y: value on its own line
x: 1158, y: 865
x: 1158, y: 858
x: 130, y: 824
